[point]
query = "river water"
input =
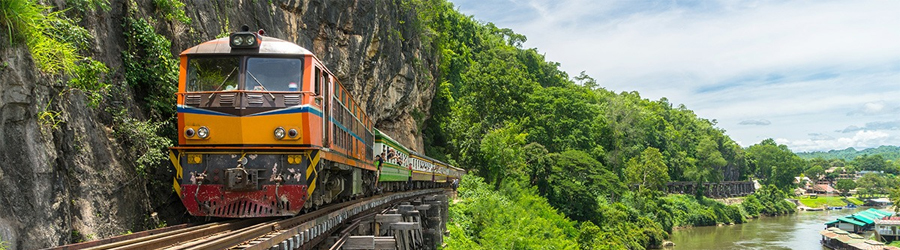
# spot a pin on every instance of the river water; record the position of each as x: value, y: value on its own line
x: 798, y: 231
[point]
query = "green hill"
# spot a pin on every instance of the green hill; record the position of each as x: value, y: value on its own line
x: 888, y: 152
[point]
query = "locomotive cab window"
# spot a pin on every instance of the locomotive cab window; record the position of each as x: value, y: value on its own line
x: 274, y: 74
x: 212, y: 74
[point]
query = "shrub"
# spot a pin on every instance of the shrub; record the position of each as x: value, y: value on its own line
x: 143, y: 140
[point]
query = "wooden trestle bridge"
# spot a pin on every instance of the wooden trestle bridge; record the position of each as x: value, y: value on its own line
x: 723, y: 189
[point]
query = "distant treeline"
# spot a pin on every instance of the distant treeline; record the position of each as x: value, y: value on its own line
x: 849, y: 154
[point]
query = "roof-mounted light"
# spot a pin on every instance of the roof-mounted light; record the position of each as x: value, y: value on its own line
x: 244, y: 39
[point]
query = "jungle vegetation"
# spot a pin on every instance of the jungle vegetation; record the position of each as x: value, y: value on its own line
x: 531, y: 136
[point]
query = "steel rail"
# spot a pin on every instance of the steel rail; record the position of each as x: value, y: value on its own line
x: 262, y: 233
x: 312, y: 232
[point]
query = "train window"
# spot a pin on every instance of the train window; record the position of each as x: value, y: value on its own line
x: 318, y: 80
x: 273, y: 74
x: 212, y: 74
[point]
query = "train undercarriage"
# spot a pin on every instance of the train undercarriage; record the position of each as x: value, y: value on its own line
x: 266, y: 184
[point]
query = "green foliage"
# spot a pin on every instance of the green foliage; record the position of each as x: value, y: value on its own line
x: 769, y: 200
x: 78, y: 237
x: 873, y: 163
x: 775, y: 164
x: 624, y: 225
x: 39, y: 28
x: 875, y: 184
x: 142, y: 139
x: 49, y: 119
x: 172, y: 10
x: 89, y: 78
x: 894, y: 196
x: 814, y: 173
x: 844, y: 185
x: 502, y: 149
x: 648, y: 172
x: 89, y: 5
x: 687, y: 210
x: 575, y: 182
x: 3, y: 244
x: 486, y: 219
x: 517, y: 120
x: 26, y: 18
x: 152, y: 71
x: 54, y: 42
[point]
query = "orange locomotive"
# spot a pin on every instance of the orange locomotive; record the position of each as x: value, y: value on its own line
x: 266, y: 130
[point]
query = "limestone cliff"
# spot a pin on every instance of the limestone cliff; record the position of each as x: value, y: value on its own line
x: 64, y: 176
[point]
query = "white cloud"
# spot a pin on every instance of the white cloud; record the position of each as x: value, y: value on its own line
x: 873, y: 126
x: 862, y: 139
x: 876, y: 108
x: 801, y: 65
x: 760, y: 122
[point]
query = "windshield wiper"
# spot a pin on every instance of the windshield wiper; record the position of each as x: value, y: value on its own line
x: 261, y: 85
x: 223, y: 83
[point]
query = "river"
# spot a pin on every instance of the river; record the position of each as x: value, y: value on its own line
x: 799, y: 231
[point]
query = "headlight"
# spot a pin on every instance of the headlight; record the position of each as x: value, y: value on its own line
x: 237, y: 41
x: 279, y: 133
x: 203, y: 132
x: 189, y: 133
x: 292, y: 133
x: 244, y: 40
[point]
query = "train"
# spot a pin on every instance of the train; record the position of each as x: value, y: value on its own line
x: 265, y: 130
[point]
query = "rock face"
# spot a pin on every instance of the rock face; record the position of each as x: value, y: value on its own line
x: 63, y: 175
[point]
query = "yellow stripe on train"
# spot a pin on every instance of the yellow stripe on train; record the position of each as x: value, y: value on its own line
x: 313, y: 162
x: 247, y: 129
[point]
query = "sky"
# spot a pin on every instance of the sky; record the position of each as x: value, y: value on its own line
x: 813, y: 75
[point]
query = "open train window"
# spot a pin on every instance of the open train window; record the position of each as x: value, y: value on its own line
x: 212, y: 74
x: 274, y: 74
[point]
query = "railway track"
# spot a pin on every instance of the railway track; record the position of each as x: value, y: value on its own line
x: 298, y: 232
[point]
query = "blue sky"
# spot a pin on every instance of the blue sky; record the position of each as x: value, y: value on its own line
x: 814, y: 75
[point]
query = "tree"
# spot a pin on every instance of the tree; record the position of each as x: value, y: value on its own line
x: 895, y: 198
x: 536, y: 163
x: 503, y: 154
x: 871, y: 163
x: 815, y: 172
x: 845, y: 185
x: 647, y: 171
x: 872, y: 183
x: 774, y: 163
x: 585, y: 80
x: 709, y: 164
x: 575, y: 182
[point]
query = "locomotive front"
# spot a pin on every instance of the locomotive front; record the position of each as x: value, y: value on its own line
x: 250, y: 127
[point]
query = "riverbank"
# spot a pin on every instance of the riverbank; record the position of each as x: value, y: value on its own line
x: 823, y: 202
x: 798, y: 231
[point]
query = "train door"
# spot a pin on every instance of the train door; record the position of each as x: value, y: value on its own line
x: 328, y: 85
x: 321, y: 89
